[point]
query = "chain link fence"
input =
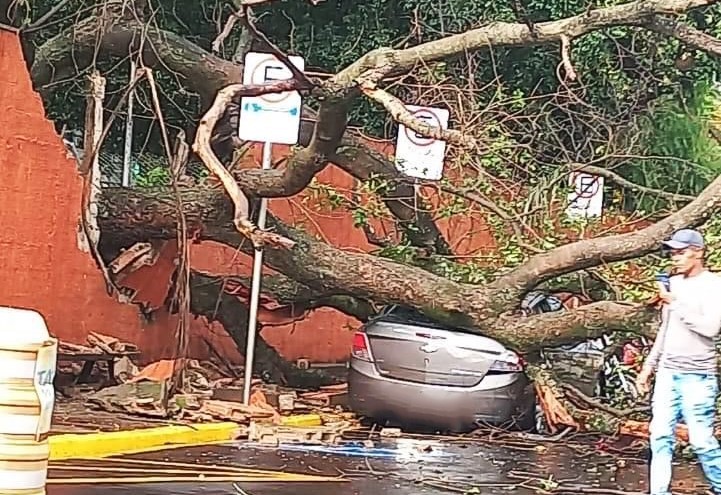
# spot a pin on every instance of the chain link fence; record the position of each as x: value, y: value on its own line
x: 146, y: 169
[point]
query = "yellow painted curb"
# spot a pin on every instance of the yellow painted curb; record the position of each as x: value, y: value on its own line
x: 302, y: 420
x: 104, y: 444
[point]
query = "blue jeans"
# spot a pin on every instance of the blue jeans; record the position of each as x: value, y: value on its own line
x: 691, y: 396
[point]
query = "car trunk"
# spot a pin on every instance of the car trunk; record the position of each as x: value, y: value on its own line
x: 429, y: 355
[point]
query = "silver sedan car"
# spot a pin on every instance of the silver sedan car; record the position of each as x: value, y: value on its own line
x: 409, y: 370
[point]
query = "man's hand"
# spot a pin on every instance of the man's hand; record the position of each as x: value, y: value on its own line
x: 664, y: 295
x: 643, y: 380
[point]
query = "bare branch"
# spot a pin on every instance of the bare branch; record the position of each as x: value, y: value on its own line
x: 400, y: 113
x: 227, y: 29
x: 493, y: 207
x: 34, y: 26
x: 305, y: 82
x: 632, y: 186
x: 566, y: 58
x: 204, y: 150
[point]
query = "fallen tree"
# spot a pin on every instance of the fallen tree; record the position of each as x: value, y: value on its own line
x: 360, y: 282
x: 133, y: 215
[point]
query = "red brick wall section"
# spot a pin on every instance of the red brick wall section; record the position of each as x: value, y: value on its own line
x: 41, y: 266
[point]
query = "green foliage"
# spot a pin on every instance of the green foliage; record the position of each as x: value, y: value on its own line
x: 155, y: 177
x: 636, y: 82
x: 677, y: 130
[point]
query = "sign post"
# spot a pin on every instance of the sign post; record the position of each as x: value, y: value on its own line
x: 128, y: 151
x: 419, y: 156
x: 586, y: 198
x: 270, y: 118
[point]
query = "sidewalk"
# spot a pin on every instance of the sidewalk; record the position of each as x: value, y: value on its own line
x: 78, y: 433
x: 108, y: 443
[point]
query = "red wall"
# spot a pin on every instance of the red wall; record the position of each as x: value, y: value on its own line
x: 41, y: 266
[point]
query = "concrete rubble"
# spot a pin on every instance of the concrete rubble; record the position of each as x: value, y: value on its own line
x: 206, y: 392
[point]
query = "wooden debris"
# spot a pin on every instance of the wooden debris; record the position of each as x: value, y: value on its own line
x: 142, y: 398
x: 139, y: 254
x: 639, y: 429
x: 554, y: 411
x: 97, y: 343
x: 331, y: 396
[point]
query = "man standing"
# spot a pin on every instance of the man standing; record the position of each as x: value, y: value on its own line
x: 684, y: 358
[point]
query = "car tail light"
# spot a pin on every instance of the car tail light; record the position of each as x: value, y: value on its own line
x: 361, y: 349
x: 508, y: 362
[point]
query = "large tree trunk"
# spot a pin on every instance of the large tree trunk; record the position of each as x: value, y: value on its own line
x: 128, y: 216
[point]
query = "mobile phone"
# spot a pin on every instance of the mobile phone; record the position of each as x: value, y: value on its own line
x: 664, y: 280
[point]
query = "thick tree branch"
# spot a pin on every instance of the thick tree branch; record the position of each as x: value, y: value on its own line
x: 685, y: 33
x: 497, y: 34
x: 565, y: 327
x: 592, y: 252
x: 129, y: 216
x: 60, y: 57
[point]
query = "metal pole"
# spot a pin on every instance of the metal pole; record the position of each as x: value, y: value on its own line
x: 255, y: 287
x: 129, y: 130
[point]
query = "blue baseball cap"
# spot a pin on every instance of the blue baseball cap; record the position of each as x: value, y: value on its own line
x: 684, y: 238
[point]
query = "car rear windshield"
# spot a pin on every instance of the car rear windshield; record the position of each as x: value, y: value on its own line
x: 411, y: 315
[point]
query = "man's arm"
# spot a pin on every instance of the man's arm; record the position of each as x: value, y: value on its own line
x: 654, y: 354
x: 702, y: 313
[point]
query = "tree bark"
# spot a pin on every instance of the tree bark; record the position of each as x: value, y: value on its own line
x: 210, y: 300
x: 129, y: 216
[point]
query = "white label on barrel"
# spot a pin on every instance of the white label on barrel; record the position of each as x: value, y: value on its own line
x: 44, y: 376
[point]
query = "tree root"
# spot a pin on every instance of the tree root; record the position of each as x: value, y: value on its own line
x: 564, y: 406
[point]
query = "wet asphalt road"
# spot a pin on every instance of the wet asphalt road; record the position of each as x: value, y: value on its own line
x: 398, y: 467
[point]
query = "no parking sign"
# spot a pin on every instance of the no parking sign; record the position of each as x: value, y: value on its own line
x: 586, y: 197
x: 417, y: 155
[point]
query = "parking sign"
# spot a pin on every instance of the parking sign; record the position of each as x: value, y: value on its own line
x: 417, y: 155
x: 272, y: 117
x: 586, y: 196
